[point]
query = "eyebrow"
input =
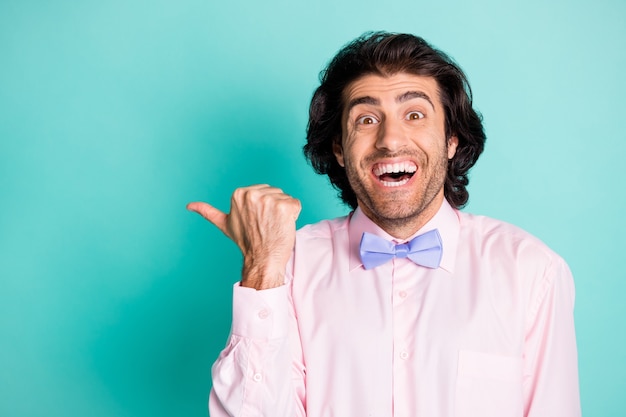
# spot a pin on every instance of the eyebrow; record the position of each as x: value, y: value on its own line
x: 363, y: 100
x: 409, y: 95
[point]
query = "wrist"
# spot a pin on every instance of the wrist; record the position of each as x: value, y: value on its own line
x: 261, y: 276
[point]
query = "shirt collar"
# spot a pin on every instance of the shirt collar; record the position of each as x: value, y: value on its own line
x: 446, y: 220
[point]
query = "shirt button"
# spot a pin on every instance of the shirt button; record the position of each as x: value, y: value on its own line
x: 257, y: 377
x: 404, y: 355
x: 402, y: 294
x: 263, y: 314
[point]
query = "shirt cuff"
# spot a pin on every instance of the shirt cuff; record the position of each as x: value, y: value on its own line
x: 261, y: 315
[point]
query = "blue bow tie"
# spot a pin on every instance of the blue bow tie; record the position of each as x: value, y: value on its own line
x: 425, y: 250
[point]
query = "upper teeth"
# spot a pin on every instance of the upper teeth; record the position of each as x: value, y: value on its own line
x: 408, y: 167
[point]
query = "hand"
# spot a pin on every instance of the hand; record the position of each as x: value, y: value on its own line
x: 262, y: 222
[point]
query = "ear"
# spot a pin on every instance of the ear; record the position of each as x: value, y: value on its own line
x: 453, y: 142
x: 338, y: 151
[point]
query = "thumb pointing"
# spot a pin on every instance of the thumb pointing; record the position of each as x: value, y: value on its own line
x: 212, y: 214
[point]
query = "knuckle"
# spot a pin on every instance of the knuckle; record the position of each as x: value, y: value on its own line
x: 289, y: 208
x: 265, y: 198
x: 295, y: 204
x: 238, y: 193
x: 246, y: 195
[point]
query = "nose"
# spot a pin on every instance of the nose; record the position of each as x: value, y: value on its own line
x: 391, y: 136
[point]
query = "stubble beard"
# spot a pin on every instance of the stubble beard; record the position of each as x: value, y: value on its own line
x: 397, y: 212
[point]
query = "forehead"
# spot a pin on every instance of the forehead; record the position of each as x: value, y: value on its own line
x: 390, y: 86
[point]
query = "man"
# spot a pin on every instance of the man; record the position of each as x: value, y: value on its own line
x: 407, y: 306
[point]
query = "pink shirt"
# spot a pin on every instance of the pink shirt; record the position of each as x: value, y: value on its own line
x: 490, y: 333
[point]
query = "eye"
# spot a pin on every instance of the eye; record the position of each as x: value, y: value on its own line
x: 415, y: 115
x: 366, y: 120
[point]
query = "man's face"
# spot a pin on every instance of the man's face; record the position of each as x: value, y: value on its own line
x: 394, y: 149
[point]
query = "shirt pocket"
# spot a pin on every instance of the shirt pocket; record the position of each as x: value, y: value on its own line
x: 489, y: 385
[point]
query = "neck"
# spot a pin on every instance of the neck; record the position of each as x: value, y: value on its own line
x: 403, y: 228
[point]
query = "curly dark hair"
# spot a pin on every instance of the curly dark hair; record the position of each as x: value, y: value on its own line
x: 385, y: 54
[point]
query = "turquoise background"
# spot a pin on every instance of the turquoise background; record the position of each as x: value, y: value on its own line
x: 115, y: 301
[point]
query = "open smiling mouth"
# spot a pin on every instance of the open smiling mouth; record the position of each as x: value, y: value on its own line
x: 394, y: 175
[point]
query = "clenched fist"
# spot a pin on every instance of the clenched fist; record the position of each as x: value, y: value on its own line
x: 262, y: 222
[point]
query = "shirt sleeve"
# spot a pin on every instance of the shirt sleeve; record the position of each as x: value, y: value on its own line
x: 260, y: 372
x: 550, y: 356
